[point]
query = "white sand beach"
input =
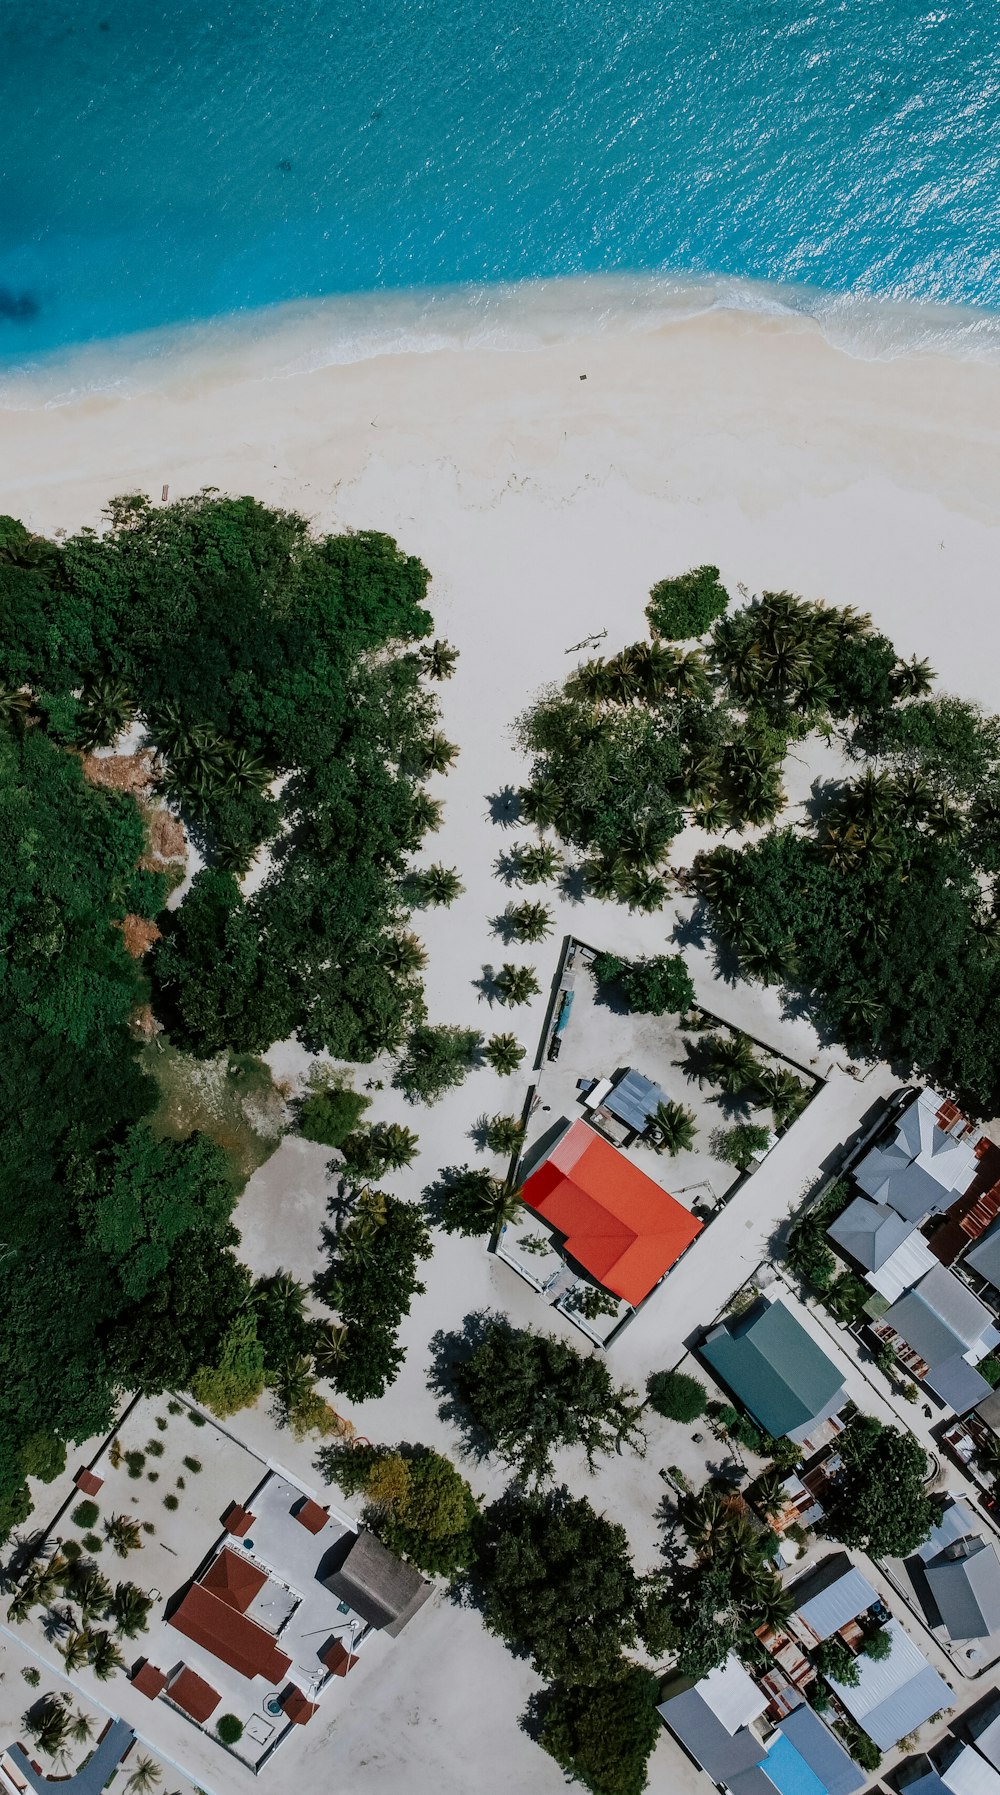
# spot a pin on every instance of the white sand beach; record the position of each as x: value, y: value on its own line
x: 545, y: 506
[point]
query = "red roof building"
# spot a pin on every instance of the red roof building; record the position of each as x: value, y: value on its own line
x: 310, y: 1515
x: 616, y: 1223
x: 89, y: 1482
x: 237, y: 1521
x: 338, y: 1659
x: 234, y: 1580
x: 194, y: 1695
x: 216, y: 1623
x: 295, y: 1707
x: 148, y: 1680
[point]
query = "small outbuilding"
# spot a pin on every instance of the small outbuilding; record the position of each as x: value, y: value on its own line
x: 378, y: 1586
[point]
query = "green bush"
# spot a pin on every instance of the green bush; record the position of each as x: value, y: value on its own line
x: 676, y: 1396
x: 878, y: 1645
x: 833, y: 1658
x: 135, y: 1462
x: 229, y: 1729
x: 171, y: 1502
x: 659, y: 986
x: 42, y: 1456
x: 71, y: 1549
x: 737, y: 1146
x: 193, y: 1464
x: 93, y: 1542
x: 608, y: 967
x: 989, y: 1368
x: 85, y: 1513
x: 329, y: 1116
x: 603, y: 1737
x: 687, y: 605
x: 154, y: 1448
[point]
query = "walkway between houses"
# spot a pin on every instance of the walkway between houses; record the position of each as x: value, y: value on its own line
x: 96, y: 1773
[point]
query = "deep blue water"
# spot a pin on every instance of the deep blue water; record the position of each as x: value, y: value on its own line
x: 165, y: 162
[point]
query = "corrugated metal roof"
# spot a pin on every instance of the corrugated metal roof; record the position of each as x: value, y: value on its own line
x: 923, y: 1168
x: 773, y: 1366
x: 958, y: 1384
x: 721, y: 1754
x: 985, y: 1255
x: 940, y: 1318
x: 869, y: 1232
x: 732, y: 1695
x: 633, y: 1099
x: 970, y: 1774
x: 830, y: 1601
x: 967, y: 1592
x: 789, y: 1772
x: 986, y: 1731
x: 905, y: 1267
x: 957, y: 1522
x: 814, y: 1742
x: 895, y: 1694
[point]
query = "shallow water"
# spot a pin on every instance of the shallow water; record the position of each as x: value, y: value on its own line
x: 173, y: 162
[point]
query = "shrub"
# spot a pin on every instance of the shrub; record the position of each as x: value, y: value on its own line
x: 229, y: 1729
x: 608, y: 967
x: 85, y: 1513
x: 834, y: 1659
x: 42, y: 1456
x: 659, y: 986
x: 147, y: 1527
x: 171, y: 1502
x: 93, y: 1542
x: 161, y: 1421
x: 136, y: 1462
x: 238, y: 1378
x: 71, y: 1549
x: 737, y: 1146
x: 193, y: 1464
x: 878, y: 1645
x: 154, y: 1448
x: 436, y: 1059
x: 31, y: 1675
x: 175, y: 1408
x: 152, y: 1476
x: 676, y: 1396
x: 329, y: 1116
x: 989, y: 1368
x: 687, y: 605
x: 196, y: 1419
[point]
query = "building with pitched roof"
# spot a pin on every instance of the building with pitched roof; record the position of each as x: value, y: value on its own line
x: 964, y: 1771
x: 776, y: 1369
x: 614, y: 1222
x: 930, y: 1161
x: 720, y: 1723
x: 378, y: 1585
x: 831, y: 1597
x: 890, y: 1253
x: 893, y: 1695
x: 962, y: 1573
x: 947, y: 1330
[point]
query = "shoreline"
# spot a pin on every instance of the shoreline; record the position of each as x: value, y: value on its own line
x: 308, y: 334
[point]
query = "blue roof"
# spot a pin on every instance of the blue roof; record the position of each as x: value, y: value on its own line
x: 824, y: 1754
x: 774, y: 1367
x: 634, y: 1099
x: 789, y: 1772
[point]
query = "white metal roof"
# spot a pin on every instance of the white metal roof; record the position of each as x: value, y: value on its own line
x: 970, y: 1774
x: 732, y: 1695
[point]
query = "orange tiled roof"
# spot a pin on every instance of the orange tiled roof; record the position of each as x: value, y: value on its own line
x: 618, y: 1224
x: 230, y: 1636
x: 234, y: 1580
x: 194, y: 1695
x: 311, y: 1516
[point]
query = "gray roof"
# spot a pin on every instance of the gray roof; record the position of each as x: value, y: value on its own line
x: 633, y: 1100
x: 929, y: 1783
x: 895, y: 1695
x: 721, y: 1754
x: 94, y: 1775
x: 770, y: 1362
x: 823, y: 1753
x: 957, y: 1522
x: 958, y: 1384
x: 985, y: 1729
x: 989, y: 1410
x: 378, y: 1585
x: 966, y: 1588
x: 984, y: 1257
x: 833, y: 1594
x: 869, y: 1232
x: 923, y: 1169
x: 940, y: 1318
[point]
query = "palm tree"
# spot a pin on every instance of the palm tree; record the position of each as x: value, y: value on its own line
x: 539, y: 863
x: 503, y: 1134
x: 700, y: 776
x: 242, y: 770
x: 436, y: 753
x: 15, y: 706
x: 425, y: 817
x: 769, y: 964
x: 602, y: 878
x: 707, y: 1519
x: 48, y: 1726
x: 145, y: 1776
x: 328, y: 1348
x: 543, y: 804
x: 595, y: 680
x: 769, y: 1493
x: 769, y: 1601
x: 439, y: 659
x: 504, y: 1053
x: 689, y: 677
x: 712, y: 815
x: 27, y: 1597
x: 106, y: 709
x: 124, y: 1534
x: 76, y: 1650
x: 439, y: 885
x: 394, y: 1145
x: 105, y: 1658
x: 642, y: 891
x: 294, y: 1382
x: 403, y: 955
x: 91, y: 1592
x: 785, y: 1095
x: 527, y: 922
x: 945, y: 823
x: 516, y: 984
x: 671, y: 1128
x: 132, y: 1607
x: 730, y: 1062
x: 913, y: 678
x: 502, y: 1204
x: 648, y: 669
x: 81, y: 1728
x: 51, y: 1578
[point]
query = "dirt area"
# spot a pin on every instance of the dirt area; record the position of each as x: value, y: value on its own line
x: 232, y: 1098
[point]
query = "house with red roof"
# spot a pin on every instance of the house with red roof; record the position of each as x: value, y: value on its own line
x: 613, y: 1221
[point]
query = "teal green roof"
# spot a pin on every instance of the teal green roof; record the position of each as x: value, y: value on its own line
x: 774, y: 1367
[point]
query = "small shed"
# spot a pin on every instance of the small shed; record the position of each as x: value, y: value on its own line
x: 149, y: 1681
x: 311, y: 1516
x: 191, y: 1692
x: 237, y: 1520
x: 378, y: 1586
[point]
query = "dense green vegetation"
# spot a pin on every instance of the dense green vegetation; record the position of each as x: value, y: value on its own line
x: 531, y: 1393
x: 247, y: 651
x: 603, y: 1737
x: 879, y: 1502
x: 415, y: 1500
x: 371, y: 1281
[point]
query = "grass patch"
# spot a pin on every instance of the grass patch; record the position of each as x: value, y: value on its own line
x: 232, y: 1098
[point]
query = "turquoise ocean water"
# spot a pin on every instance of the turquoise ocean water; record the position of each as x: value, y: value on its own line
x: 166, y: 163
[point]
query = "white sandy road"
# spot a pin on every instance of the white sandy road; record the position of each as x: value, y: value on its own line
x: 545, y: 507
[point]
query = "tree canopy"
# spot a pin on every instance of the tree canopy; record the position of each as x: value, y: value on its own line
x: 415, y: 1500
x: 879, y: 1502
x: 604, y: 1737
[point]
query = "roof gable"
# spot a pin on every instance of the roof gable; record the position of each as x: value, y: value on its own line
x: 966, y: 1591
x: 775, y: 1367
x: 617, y: 1223
x: 220, y: 1629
